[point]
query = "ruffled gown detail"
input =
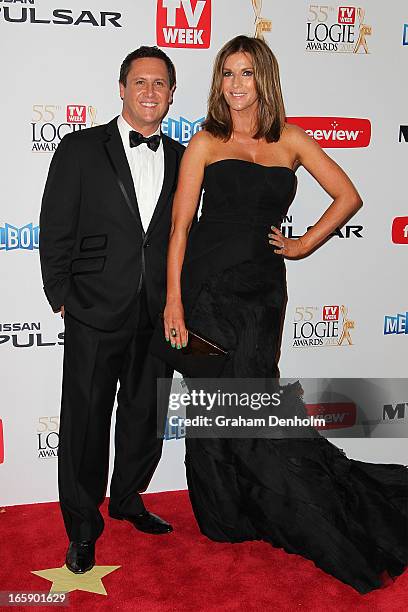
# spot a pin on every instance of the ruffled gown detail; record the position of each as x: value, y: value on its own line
x: 302, y: 494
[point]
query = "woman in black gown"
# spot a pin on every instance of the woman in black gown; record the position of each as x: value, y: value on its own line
x: 226, y: 279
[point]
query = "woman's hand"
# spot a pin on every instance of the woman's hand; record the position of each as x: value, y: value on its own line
x: 174, y: 327
x: 288, y: 247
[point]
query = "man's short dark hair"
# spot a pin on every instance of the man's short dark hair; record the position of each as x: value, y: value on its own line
x: 142, y: 52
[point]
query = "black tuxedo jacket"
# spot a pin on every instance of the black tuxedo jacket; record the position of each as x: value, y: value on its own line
x: 94, y: 252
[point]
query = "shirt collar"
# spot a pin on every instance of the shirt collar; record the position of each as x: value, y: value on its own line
x: 124, y: 128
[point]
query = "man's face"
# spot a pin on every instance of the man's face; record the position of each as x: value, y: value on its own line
x: 147, y: 94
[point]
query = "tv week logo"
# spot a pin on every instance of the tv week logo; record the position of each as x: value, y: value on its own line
x: 183, y: 23
x: 336, y: 132
x: 330, y: 313
x: 346, y: 14
x: 76, y: 114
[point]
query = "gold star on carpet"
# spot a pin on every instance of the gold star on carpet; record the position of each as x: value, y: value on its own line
x: 63, y: 580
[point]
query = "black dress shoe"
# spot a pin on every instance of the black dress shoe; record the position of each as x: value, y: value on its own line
x: 146, y: 522
x: 80, y: 557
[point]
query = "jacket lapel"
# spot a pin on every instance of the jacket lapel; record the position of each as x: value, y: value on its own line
x: 169, y: 180
x: 118, y: 160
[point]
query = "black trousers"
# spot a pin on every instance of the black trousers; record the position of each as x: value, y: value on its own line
x: 94, y: 362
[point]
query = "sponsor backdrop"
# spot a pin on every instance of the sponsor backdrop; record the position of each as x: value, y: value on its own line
x: 343, y: 75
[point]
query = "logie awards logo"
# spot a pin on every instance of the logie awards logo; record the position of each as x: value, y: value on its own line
x: 47, y: 436
x: 50, y: 123
x: 315, y: 326
x: 337, y: 29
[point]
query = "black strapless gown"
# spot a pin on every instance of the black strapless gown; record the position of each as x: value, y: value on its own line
x: 304, y: 495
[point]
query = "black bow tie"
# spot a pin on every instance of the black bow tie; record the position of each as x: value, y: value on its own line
x: 136, y: 139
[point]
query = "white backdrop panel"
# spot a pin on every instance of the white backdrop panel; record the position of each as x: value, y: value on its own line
x: 49, y: 66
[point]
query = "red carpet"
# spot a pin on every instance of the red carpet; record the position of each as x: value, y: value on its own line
x: 181, y: 571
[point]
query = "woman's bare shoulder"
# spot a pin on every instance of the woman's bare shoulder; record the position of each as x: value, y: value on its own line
x: 292, y: 133
x: 202, y: 144
x: 203, y: 138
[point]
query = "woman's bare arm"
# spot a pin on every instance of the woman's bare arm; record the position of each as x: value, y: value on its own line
x: 184, y: 208
x: 346, y: 200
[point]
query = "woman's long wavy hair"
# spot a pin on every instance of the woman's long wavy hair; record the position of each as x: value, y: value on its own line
x: 271, y: 109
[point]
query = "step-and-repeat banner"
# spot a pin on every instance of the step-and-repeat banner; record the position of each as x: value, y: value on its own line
x: 343, y: 71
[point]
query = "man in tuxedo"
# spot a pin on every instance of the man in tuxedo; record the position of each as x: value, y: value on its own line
x: 105, y: 222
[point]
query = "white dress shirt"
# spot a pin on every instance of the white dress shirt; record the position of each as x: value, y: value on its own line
x: 147, y: 168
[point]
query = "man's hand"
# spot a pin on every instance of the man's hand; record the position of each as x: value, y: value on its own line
x: 62, y: 312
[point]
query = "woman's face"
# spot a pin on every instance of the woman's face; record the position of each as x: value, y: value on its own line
x: 238, y: 84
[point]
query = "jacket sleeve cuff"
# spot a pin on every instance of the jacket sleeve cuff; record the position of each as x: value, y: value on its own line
x: 56, y: 292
